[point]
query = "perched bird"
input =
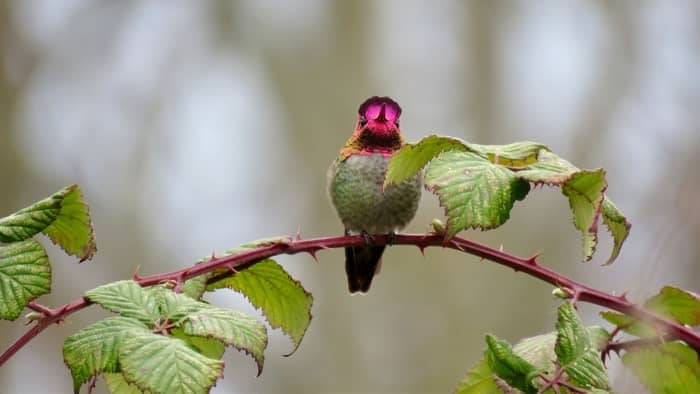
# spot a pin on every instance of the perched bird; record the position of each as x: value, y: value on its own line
x: 356, y: 188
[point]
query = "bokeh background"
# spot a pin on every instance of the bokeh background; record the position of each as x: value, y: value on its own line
x: 196, y: 126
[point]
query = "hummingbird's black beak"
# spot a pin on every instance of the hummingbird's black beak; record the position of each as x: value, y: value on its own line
x: 382, y: 116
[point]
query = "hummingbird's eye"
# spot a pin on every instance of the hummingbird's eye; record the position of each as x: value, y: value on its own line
x: 363, y: 121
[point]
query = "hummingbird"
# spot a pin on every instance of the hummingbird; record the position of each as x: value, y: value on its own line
x: 357, y: 191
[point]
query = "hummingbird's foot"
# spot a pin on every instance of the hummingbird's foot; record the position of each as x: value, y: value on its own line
x: 391, y: 238
x: 369, y: 239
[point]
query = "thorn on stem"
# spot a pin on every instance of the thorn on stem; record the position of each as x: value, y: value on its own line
x: 297, y: 237
x: 231, y: 268
x: 422, y: 249
x: 533, y: 259
x: 312, y: 253
x: 609, y: 348
x: 136, y: 276
x: 623, y: 296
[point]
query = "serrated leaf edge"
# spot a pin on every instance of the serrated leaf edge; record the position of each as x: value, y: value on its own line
x: 143, y: 388
x: 617, y: 246
x: 90, y: 248
x: 449, y: 227
x: 258, y: 361
x: 411, y: 146
x: 262, y: 312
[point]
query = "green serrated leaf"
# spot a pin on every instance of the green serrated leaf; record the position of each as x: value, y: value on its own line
x: 539, y: 350
x: 549, y: 169
x: 127, y: 298
x: 677, y: 304
x: 63, y: 217
x: 172, y: 306
x: 194, y: 287
x: 629, y: 324
x: 588, y: 371
x: 94, y: 349
x: 283, y: 301
x: 478, y: 185
x: 572, y: 338
x: 411, y: 158
x: 617, y: 225
x: 516, y: 155
x: 25, y: 274
x: 210, y: 347
x: 199, y: 319
x: 474, y: 192
x: 72, y: 230
x: 118, y: 385
x: 479, y: 380
x: 31, y: 220
x: 576, y: 353
x: 585, y: 192
x: 509, y: 366
x: 235, y: 328
x: 671, y: 367
x: 167, y: 365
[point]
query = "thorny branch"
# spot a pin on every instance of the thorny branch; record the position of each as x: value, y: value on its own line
x: 617, y: 346
x: 577, y: 291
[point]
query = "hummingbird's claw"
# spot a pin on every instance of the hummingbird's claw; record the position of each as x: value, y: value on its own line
x: 369, y: 239
x: 391, y: 238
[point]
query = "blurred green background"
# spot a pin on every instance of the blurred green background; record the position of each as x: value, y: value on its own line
x: 196, y: 126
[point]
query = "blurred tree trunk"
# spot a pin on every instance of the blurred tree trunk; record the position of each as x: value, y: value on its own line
x: 482, y: 26
x: 11, y: 167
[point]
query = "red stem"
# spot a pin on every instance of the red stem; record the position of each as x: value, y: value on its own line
x: 37, y: 307
x: 529, y: 266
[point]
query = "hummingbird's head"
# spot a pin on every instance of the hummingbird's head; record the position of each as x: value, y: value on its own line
x: 378, y: 124
x: 379, y: 113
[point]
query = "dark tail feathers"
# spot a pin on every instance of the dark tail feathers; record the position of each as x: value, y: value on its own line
x: 361, y: 264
